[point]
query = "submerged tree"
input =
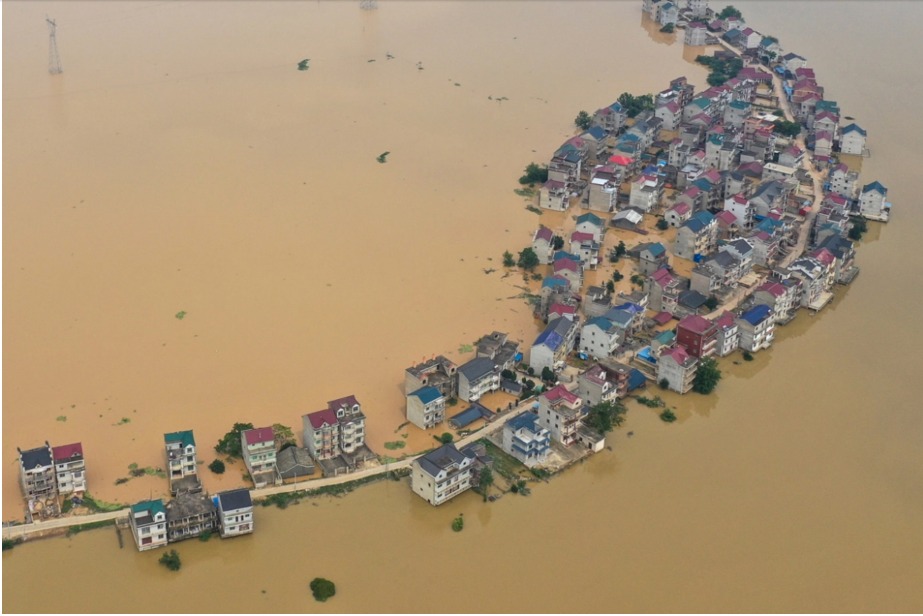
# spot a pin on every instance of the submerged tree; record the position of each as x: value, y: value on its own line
x: 229, y: 444
x: 583, y: 120
x: 707, y: 376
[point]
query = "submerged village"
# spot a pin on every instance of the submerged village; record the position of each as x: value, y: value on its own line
x: 692, y: 224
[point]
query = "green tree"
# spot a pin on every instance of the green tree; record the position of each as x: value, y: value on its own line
x: 322, y: 589
x: 583, y: 120
x: 534, y: 174
x: 604, y: 416
x: 729, y: 11
x: 620, y: 249
x: 508, y: 259
x: 458, y: 524
x: 283, y: 435
x: 668, y: 28
x: 668, y: 416
x: 445, y: 438
x: 557, y: 242
x: 748, y: 356
x: 633, y: 105
x: 711, y: 303
x: 662, y: 224
x: 664, y: 383
x: 171, y: 560
x: 858, y: 228
x: 617, y: 275
x: 528, y: 260
x: 548, y: 375
x: 707, y: 376
x: 509, y: 375
x: 637, y: 279
x: 485, y: 480
x: 229, y: 444
x: 610, y: 287
x: 217, y: 467
x: 786, y: 128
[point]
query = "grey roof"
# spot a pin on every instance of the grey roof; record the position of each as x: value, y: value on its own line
x: 294, y: 462
x: 31, y: 458
x: 187, y: 504
x: 477, y: 368
x: 236, y: 499
x: 440, y: 459
x: 725, y: 259
x: 692, y: 299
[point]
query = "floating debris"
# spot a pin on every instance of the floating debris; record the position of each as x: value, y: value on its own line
x: 383, y: 157
x: 303, y: 65
x: 180, y: 315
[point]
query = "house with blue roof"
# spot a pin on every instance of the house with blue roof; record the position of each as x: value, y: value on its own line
x: 610, y: 118
x: 553, y: 344
x: 873, y: 202
x: 757, y: 328
x: 37, y: 474
x: 591, y: 223
x: 696, y: 236
x: 426, y: 407
x: 651, y: 257
x: 597, y: 140
x: 148, y: 522
x: 182, y: 468
x: 600, y: 337
x: 526, y: 440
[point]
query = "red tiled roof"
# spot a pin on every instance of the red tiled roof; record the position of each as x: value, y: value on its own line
x: 681, y: 208
x: 695, y: 323
x: 726, y: 217
x: 66, y: 452
x: 258, y: 435
x: 678, y: 354
x: 562, y: 264
x: 561, y: 309
x: 559, y: 392
x: 319, y: 418
x: 580, y: 236
x: 726, y: 320
x: 824, y: 256
x: 774, y: 288
x: 621, y: 160
x: 837, y: 199
x: 544, y: 233
x: 662, y: 318
x: 740, y: 198
x: 663, y: 277
x: 348, y: 402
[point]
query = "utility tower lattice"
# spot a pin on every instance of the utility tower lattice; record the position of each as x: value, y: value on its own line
x: 368, y: 5
x: 54, y: 60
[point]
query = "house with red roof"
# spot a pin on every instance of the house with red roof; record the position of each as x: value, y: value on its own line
x: 258, y: 447
x: 553, y: 195
x: 560, y: 412
x: 570, y: 270
x: 782, y: 295
x: 543, y: 244
x: 728, y: 334
x: 321, y: 432
x: 677, y: 367
x: 663, y: 289
x: 698, y: 335
x: 69, y: 468
x: 558, y: 310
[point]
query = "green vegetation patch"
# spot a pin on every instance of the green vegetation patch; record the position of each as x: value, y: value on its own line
x: 79, y: 528
x: 721, y: 69
x: 458, y: 524
x: 171, y: 560
x: 322, y: 589
x: 180, y: 315
x: 395, y: 445
x: 668, y: 416
x: 383, y: 157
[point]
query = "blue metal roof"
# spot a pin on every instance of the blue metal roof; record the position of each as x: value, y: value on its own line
x: 756, y: 315
x: 877, y: 186
x: 636, y: 379
x: 524, y: 420
x: 427, y: 394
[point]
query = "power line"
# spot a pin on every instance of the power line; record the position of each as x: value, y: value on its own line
x: 54, y: 60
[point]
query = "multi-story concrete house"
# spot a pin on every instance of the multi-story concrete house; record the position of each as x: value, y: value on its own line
x: 235, y: 512
x: 352, y: 423
x: 813, y: 275
x: 678, y: 368
x: 646, y: 192
x: 441, y: 475
x: 697, y: 236
x: 37, y: 474
x: 600, y: 337
x: 696, y: 34
x: 852, y: 140
x: 610, y: 118
x: 604, y: 188
x: 842, y: 181
x: 782, y: 296
x: 792, y: 62
x: 697, y: 335
x: 670, y: 113
x: 873, y: 202
x: 148, y: 522
x: 426, y: 407
x: 526, y: 440
x: 182, y: 470
x: 698, y: 8
x: 736, y: 113
x: 663, y: 289
x: 321, y: 432
x: 258, y: 447
x: 190, y: 515
x: 591, y: 223
x: 651, y: 257
x: 543, y: 244
x: 476, y: 378
x: 438, y: 372
x: 757, y: 328
x: 560, y: 411
x: 570, y: 270
x: 728, y: 334
x: 498, y: 347
x: 743, y: 250
x: 553, y: 344
x: 554, y: 195
x: 678, y: 214
x: 600, y: 383
x: 69, y: 468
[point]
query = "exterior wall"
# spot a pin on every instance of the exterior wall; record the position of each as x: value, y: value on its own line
x: 71, y: 476
x: 149, y: 536
x: 754, y: 338
x: 260, y: 457
x: 679, y: 378
x: 321, y: 443
x: 425, y: 416
x: 852, y: 143
x: 598, y: 342
x: 235, y: 521
x: 526, y: 446
x: 443, y: 487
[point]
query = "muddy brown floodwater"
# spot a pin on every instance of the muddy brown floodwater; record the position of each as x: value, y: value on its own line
x: 181, y: 163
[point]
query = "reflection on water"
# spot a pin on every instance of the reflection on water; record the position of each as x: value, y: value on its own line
x: 208, y: 175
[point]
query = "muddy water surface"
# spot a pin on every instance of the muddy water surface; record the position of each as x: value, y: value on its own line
x: 181, y: 163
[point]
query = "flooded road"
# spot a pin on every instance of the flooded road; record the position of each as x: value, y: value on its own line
x: 181, y: 163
